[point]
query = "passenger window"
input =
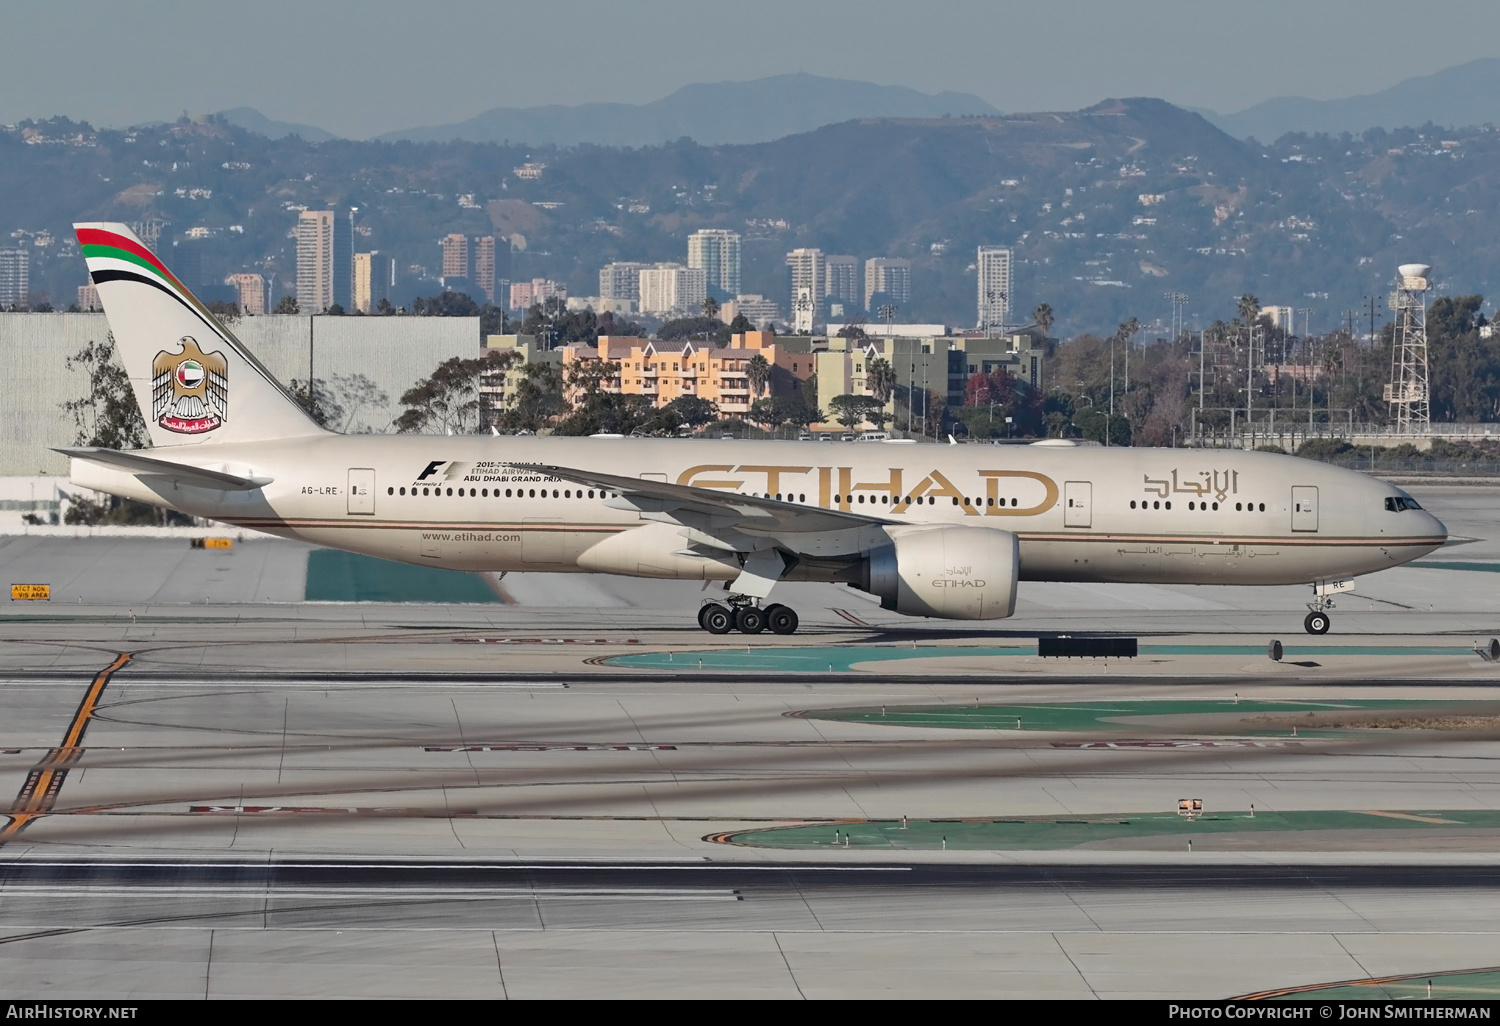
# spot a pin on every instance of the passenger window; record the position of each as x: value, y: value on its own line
x: 1191, y: 506
x: 1132, y: 504
x: 1169, y: 504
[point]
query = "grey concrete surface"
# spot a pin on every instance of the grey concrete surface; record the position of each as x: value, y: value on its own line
x: 256, y: 730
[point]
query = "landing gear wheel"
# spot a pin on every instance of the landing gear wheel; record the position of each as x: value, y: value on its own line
x: 750, y: 619
x: 716, y: 619
x: 1316, y: 623
x: 781, y: 620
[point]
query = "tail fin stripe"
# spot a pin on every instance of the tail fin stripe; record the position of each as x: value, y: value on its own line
x: 96, y: 239
x: 99, y: 277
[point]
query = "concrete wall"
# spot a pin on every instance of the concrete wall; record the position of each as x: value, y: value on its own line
x: 393, y: 352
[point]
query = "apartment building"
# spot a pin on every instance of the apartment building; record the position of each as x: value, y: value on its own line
x: 994, y: 264
x: 251, y: 288
x: 668, y: 289
x: 716, y: 253
x: 890, y: 276
x: 15, y: 278
x: 526, y: 294
x: 621, y: 280
x: 315, y: 269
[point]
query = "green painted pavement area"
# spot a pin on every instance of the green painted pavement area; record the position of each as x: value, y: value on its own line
x: 1484, y: 568
x: 839, y: 658
x: 1112, y: 716
x: 346, y: 577
x: 1454, y: 985
x: 1051, y: 832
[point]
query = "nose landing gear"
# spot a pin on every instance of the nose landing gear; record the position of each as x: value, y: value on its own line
x: 1316, y: 622
x: 743, y: 615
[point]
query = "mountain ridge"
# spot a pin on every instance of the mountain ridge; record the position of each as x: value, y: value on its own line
x: 1461, y: 96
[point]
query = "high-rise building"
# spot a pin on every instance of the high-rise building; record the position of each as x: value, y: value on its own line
x: 841, y: 278
x: 455, y: 255
x: 994, y: 266
x: 374, y: 277
x: 716, y: 253
x: 809, y: 275
x: 343, y: 260
x: 88, y: 298
x: 484, y: 265
x: 252, y: 290
x: 526, y: 294
x: 315, y: 260
x: 890, y: 276
x: 672, y: 288
x: 15, y: 278
x: 621, y: 280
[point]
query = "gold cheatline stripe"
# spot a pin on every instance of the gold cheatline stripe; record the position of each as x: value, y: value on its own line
x: 39, y: 793
x: 1309, y: 539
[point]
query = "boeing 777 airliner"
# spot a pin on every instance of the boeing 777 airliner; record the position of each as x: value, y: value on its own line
x: 932, y: 530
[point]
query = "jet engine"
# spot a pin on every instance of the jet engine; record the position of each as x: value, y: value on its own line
x: 956, y: 573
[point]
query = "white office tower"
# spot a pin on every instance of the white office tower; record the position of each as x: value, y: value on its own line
x: 890, y: 276
x: 15, y: 278
x: 810, y: 276
x: 841, y: 278
x: 315, y: 261
x: 668, y: 289
x: 621, y: 280
x: 716, y: 253
x: 994, y: 265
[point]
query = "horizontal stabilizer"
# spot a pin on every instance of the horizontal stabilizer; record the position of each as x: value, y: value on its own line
x: 136, y: 463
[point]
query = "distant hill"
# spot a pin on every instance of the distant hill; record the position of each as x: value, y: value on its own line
x: 709, y: 113
x: 253, y: 120
x: 1107, y: 209
x: 1466, y: 95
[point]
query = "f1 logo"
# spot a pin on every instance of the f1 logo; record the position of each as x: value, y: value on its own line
x: 432, y: 468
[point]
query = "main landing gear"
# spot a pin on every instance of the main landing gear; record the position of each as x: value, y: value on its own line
x: 747, y: 618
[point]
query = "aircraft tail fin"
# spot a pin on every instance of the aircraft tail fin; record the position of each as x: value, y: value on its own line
x: 194, y: 381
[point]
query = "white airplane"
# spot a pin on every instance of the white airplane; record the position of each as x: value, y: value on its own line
x: 932, y: 530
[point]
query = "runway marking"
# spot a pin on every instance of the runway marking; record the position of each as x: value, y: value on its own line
x: 518, y: 747
x: 259, y: 892
x: 39, y: 793
x: 1412, y: 817
x: 547, y: 641
x: 250, y: 810
x: 1173, y: 743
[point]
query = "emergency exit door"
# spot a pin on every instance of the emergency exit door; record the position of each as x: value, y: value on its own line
x: 1304, y: 508
x: 1078, y: 504
x: 362, y: 491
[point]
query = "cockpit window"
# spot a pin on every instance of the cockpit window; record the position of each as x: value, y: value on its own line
x: 1397, y: 503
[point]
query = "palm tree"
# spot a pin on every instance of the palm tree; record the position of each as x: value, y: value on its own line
x: 1043, y: 317
x: 710, y: 307
x: 1248, y: 308
x: 759, y: 373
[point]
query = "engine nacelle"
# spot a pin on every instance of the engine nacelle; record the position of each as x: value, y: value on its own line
x: 956, y: 573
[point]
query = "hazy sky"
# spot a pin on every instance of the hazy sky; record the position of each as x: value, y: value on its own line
x: 361, y: 68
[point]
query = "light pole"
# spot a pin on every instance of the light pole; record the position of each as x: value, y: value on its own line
x: 888, y: 314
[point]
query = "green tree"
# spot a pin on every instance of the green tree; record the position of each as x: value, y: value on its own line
x: 853, y: 410
x: 692, y: 410
x: 106, y: 415
x: 449, y: 400
x: 708, y: 329
x: 711, y: 307
x: 740, y: 325
x: 288, y: 305
x: 538, y: 401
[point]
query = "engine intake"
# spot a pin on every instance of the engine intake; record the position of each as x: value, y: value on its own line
x: 956, y: 573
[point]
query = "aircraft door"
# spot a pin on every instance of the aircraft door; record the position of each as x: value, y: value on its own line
x: 362, y: 491
x: 1304, y: 508
x: 1078, y: 504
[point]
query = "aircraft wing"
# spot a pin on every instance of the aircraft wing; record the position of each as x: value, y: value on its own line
x: 723, y: 509
x: 136, y: 463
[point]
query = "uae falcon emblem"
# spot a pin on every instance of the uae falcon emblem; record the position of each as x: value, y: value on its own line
x: 190, y: 389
